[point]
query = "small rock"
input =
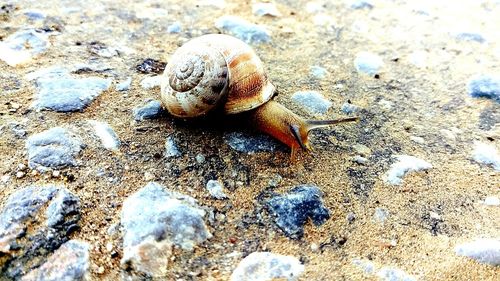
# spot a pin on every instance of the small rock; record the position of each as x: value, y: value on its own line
x: 360, y: 159
x: 124, y: 85
x: 486, y: 154
x: 394, y: 274
x: 361, y: 4
x: 265, y: 9
x: 34, y: 15
x: 492, y: 201
x: 381, y: 215
x: 484, y: 86
x: 20, y: 174
x: 292, y: 210
x: 367, y: 266
x: 243, y: 142
x: 215, y: 189
x: 483, y: 250
x: 22, y: 46
x: 418, y: 140
x: 100, y: 49
x: 151, y: 110
x: 368, y: 63
x: 171, y: 148
x: 351, y: 217
x: 470, y: 36
x: 275, y: 180
x: 154, y: 219
x: 313, y: 101
x: 70, y: 262
x: 149, y: 66
x: 151, y: 82
x: 200, y: 158
x: 363, y: 150
x: 349, y: 108
x: 174, y: 28
x: 244, y: 30
x: 61, y: 92
x: 28, y: 236
x: 53, y: 148
x: 318, y: 72
x: 404, y: 165
x: 106, y: 134
x: 262, y: 266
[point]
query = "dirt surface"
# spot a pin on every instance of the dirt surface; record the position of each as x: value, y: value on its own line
x: 405, y: 101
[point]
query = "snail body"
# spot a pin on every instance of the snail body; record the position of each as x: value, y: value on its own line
x: 218, y: 71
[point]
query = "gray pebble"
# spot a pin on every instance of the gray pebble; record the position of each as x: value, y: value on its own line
x: 61, y: 92
x: 70, y: 262
x: 292, y: 210
x: 251, y: 143
x: 484, y: 86
x: 109, y: 139
x: 470, y: 36
x: 484, y: 250
x: 368, y: 63
x: 200, y: 158
x: 394, y: 274
x: 151, y: 110
x: 261, y: 266
x: 312, y: 101
x: 22, y: 46
x: 53, y: 148
x: 215, y: 189
x: 349, y: 108
x: 244, y: 30
x: 381, y: 215
x: 265, y: 9
x: 361, y: 4
x: 43, y: 233
x: 124, y: 85
x: 174, y: 28
x: 318, y: 72
x: 171, y: 148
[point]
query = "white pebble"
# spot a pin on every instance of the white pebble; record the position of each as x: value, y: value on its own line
x: 485, y: 250
x: 105, y: 133
x: 215, y: 189
x: 368, y: 63
x: 492, y: 201
x: 151, y: 82
x: 404, y: 165
x: 265, y: 9
x: 259, y: 266
x: 486, y: 154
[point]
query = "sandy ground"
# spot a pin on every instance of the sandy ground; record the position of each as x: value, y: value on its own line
x: 429, y: 102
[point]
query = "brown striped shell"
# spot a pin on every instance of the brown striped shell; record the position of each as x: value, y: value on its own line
x: 211, y: 69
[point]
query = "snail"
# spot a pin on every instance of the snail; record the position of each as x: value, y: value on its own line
x: 221, y: 72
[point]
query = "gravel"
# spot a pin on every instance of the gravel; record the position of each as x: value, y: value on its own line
x: 260, y: 266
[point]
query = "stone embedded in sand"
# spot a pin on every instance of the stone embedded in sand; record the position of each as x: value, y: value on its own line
x: 265, y: 9
x: 312, y: 101
x: 484, y: 250
x: 394, y: 274
x: 492, y: 201
x: 251, y: 143
x: 470, y: 36
x: 151, y: 110
x: 244, y: 30
x: 294, y: 209
x: 22, y: 46
x: 171, y: 148
x: 404, y: 165
x: 361, y: 4
x: 318, y: 72
x: 486, y: 154
x: 174, y: 28
x: 484, y: 86
x: 262, y: 266
x: 215, y: 189
x: 27, y: 234
x: 106, y: 134
x: 151, y: 82
x: 70, y: 262
x: 368, y: 63
x: 349, y: 108
x: 124, y: 85
x: 153, y: 219
x: 59, y: 91
x: 53, y: 148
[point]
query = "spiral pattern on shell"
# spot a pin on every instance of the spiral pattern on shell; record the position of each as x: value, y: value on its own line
x: 210, y: 69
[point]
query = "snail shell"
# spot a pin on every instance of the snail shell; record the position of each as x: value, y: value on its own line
x: 213, y: 71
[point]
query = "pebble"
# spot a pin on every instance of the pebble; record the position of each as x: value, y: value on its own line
x: 70, y: 262
x: 349, y: 108
x: 44, y: 216
x: 149, y: 66
x: 215, y: 189
x: 484, y: 86
x: 470, y: 36
x: 151, y: 110
x: 155, y: 218
x: 151, y: 82
x: 106, y: 134
x: 312, y: 101
x: 200, y: 158
x: 361, y: 4
x: 367, y: 266
x: 381, y: 215
x: 492, y: 201
x: 292, y: 210
x: 483, y: 250
x: 368, y: 63
x: 265, y: 9
x: 174, y: 28
x: 171, y: 148
x: 244, y: 30
x: 59, y: 91
x: 394, y: 274
x: 418, y: 140
x: 22, y: 46
x: 363, y: 150
x: 124, y: 85
x: 20, y: 174
x: 486, y: 154
x: 252, y: 143
x: 404, y: 165
x: 360, y: 159
x: 53, y: 148
x: 263, y: 266
x: 318, y: 72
